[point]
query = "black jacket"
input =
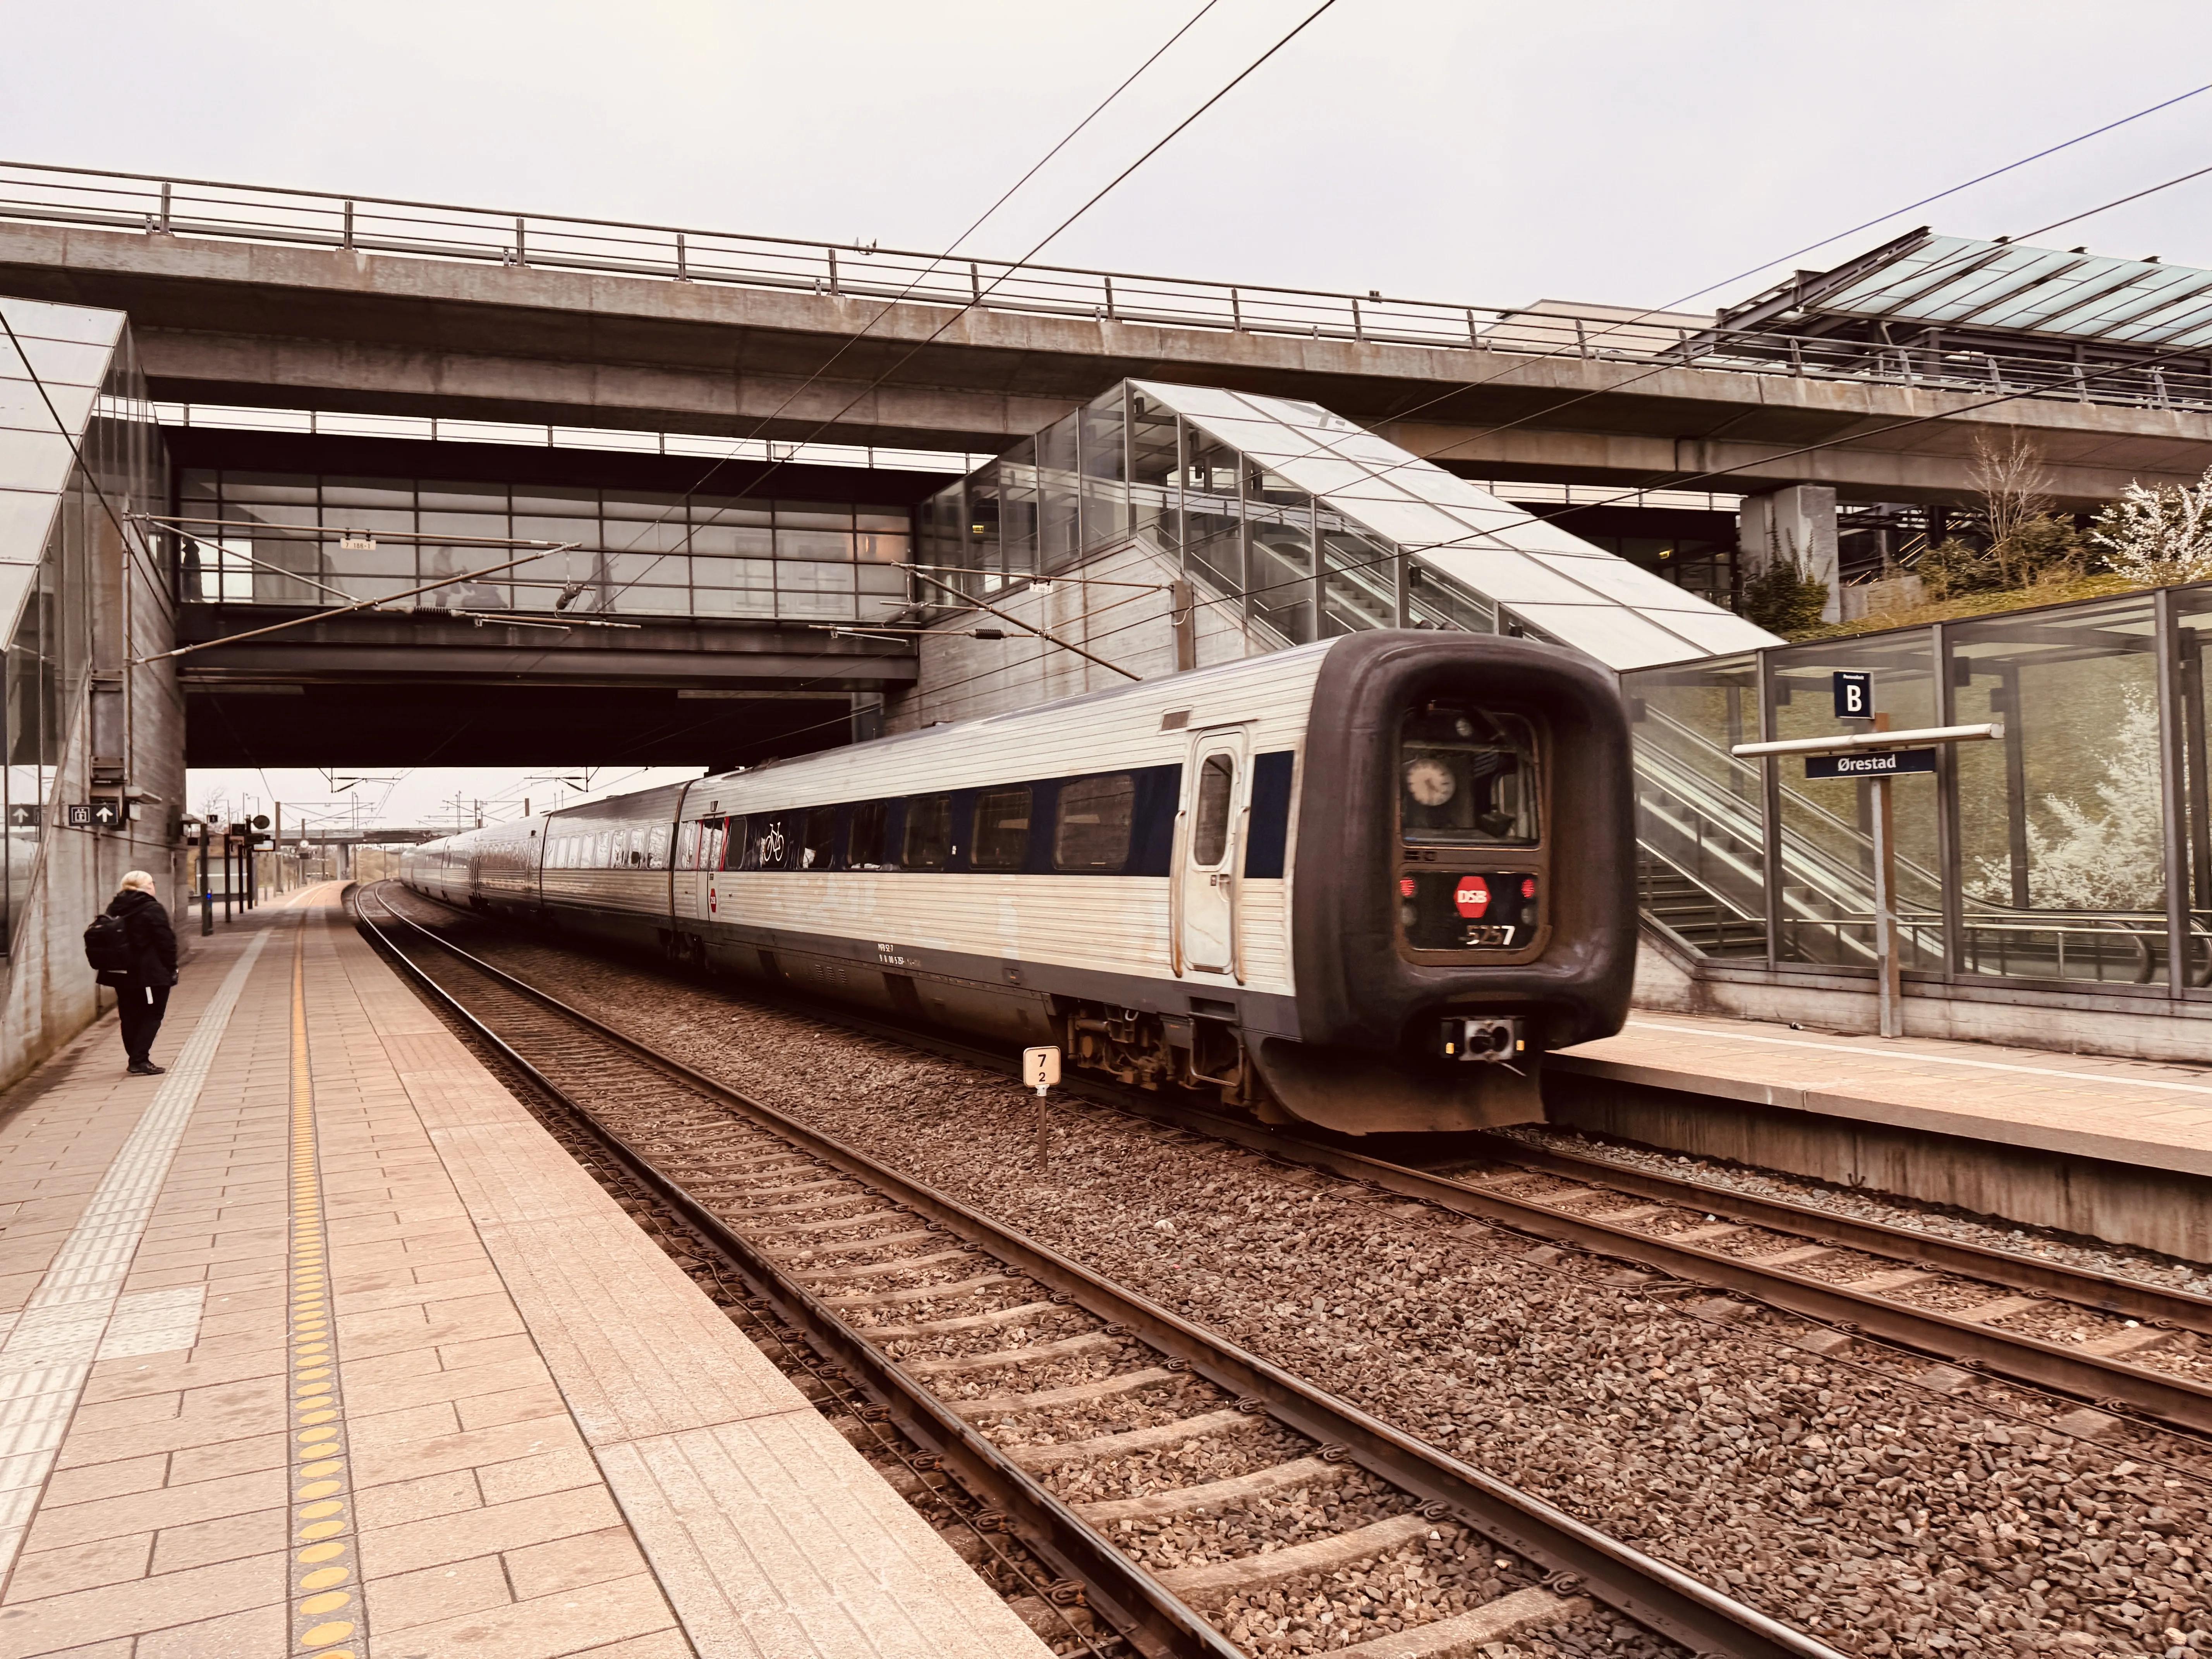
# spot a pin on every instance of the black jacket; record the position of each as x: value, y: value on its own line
x: 153, y: 941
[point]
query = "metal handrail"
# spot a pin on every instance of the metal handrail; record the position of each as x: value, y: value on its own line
x: 167, y: 205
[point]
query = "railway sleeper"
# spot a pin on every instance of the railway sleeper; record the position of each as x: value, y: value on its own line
x: 1072, y: 1394
x: 920, y: 1293
x: 898, y: 1265
x: 1298, y: 1471
x: 1159, y: 1435
x: 981, y: 1321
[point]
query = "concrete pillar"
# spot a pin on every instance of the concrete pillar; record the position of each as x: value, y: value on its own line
x: 1798, y: 522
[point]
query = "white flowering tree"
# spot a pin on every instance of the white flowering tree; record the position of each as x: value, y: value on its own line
x: 2114, y: 860
x: 2160, y: 535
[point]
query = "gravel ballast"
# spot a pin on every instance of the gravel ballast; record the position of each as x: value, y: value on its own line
x: 1829, y: 1491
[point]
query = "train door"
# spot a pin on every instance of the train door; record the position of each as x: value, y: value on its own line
x: 1206, y: 871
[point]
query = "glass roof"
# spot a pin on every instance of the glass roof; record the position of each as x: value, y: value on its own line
x: 1961, y: 282
x: 1557, y: 584
x: 69, y: 347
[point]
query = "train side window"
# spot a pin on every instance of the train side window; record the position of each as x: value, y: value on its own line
x: 1002, y: 829
x: 1217, y: 783
x: 733, y: 842
x: 768, y: 841
x: 928, y: 832
x: 864, y: 844
x: 700, y: 846
x: 821, y: 838
x: 1095, y: 817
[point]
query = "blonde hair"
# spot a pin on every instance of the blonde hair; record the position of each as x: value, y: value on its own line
x: 138, y: 878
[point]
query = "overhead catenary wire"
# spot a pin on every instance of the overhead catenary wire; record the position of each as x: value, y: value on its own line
x: 985, y: 291
x: 1236, y: 596
x: 1462, y: 389
x: 761, y: 426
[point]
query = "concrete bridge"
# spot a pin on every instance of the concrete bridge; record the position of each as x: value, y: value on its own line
x: 235, y: 321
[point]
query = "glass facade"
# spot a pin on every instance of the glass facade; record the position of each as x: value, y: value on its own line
x: 82, y: 430
x: 2077, y: 848
x: 1312, y: 524
x: 637, y: 553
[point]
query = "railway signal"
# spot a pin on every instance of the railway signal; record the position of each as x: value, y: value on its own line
x: 1041, y: 1070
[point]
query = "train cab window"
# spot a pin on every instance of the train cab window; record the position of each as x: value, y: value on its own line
x: 821, y: 839
x: 928, y: 832
x: 1095, y: 819
x: 1217, y: 784
x: 864, y: 842
x: 1467, y: 779
x: 1002, y: 829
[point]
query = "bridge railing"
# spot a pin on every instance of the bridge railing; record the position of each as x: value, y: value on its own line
x: 155, y: 205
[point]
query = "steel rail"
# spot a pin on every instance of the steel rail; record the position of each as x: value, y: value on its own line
x: 2021, y: 1357
x: 1144, y: 1611
x: 1647, y: 1589
x: 2177, y: 1401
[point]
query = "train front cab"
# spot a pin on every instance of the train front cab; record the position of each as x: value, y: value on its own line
x: 1464, y: 895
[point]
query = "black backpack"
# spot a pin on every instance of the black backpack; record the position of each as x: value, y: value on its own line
x: 107, y: 944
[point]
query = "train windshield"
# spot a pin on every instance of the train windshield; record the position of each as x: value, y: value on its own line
x: 1467, y: 779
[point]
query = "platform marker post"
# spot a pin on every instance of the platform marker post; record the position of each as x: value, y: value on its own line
x: 1873, y: 754
x: 1889, y: 999
x: 1041, y: 1070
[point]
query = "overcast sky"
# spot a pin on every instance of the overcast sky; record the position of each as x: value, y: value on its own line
x: 1483, y: 153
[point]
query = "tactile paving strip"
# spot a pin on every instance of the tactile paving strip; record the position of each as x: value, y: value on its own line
x: 326, y: 1614
x: 48, y: 1355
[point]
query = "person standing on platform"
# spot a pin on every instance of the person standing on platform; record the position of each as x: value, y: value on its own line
x: 142, y: 988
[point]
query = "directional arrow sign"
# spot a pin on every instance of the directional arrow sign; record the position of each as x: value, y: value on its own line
x: 107, y: 814
x: 22, y: 817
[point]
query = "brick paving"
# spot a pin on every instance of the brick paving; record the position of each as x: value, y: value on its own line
x: 554, y: 1443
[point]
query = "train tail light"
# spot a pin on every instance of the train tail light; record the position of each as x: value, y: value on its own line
x: 1486, y: 1039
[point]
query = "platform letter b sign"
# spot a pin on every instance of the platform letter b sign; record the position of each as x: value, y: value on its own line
x: 1854, y: 695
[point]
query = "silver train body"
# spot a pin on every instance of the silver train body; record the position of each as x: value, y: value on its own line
x: 1364, y: 883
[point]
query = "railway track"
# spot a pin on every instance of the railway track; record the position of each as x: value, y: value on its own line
x: 2119, y: 1344
x: 1082, y: 1419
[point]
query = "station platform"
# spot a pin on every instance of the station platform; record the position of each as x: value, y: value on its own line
x: 319, y: 1344
x: 2112, y: 1148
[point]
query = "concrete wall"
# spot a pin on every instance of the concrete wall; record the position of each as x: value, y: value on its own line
x: 2125, y: 1203
x: 964, y: 678
x: 2080, y: 1019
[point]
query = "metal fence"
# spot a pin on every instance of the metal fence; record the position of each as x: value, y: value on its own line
x: 155, y: 205
x: 2078, y: 848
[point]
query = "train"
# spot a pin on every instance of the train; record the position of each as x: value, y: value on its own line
x: 1365, y: 883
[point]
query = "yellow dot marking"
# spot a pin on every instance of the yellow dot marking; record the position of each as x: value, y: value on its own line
x: 321, y: 1517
